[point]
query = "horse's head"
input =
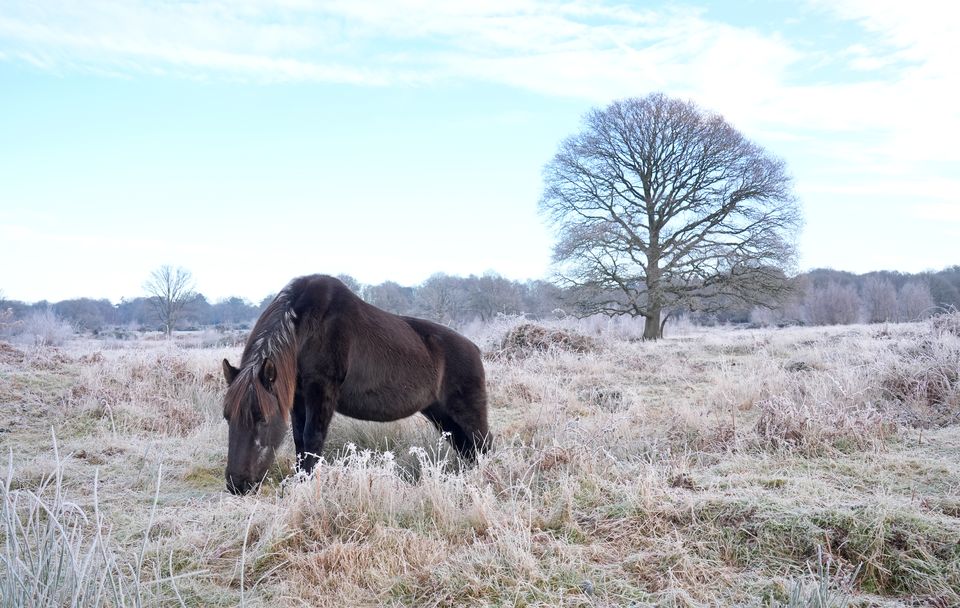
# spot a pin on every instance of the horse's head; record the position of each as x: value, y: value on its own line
x: 252, y: 408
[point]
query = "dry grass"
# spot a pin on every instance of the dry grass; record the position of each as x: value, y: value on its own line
x: 801, y: 467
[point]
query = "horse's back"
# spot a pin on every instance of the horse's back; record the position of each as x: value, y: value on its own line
x: 392, y: 366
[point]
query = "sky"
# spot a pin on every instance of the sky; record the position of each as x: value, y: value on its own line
x: 252, y: 141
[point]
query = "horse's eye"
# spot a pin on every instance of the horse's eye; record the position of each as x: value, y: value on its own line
x: 268, y: 373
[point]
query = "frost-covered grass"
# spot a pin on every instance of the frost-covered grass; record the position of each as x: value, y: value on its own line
x: 792, y: 467
x: 56, y: 553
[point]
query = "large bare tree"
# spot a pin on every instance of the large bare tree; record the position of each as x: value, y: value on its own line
x: 169, y: 290
x: 661, y: 206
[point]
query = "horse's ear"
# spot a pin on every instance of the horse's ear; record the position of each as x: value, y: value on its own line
x: 229, y: 371
x: 269, y: 371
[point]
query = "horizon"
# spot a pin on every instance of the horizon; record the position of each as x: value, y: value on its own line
x: 254, y: 144
x: 257, y: 301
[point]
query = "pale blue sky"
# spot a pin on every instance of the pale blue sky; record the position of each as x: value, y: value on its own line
x: 251, y: 141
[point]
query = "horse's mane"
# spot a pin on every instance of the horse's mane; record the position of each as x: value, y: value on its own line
x: 274, y: 338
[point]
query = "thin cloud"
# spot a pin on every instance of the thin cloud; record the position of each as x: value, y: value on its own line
x: 572, y: 50
x: 923, y: 31
x: 939, y: 212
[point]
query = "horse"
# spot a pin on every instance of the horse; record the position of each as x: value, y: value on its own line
x: 317, y: 349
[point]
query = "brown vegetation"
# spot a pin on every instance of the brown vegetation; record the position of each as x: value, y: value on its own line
x: 529, y: 338
x: 719, y: 467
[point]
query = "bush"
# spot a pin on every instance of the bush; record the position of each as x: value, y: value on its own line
x: 948, y: 323
x: 43, y: 328
x: 6, y: 320
x: 529, y: 338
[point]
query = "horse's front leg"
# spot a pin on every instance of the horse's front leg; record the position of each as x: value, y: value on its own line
x: 297, y: 420
x: 319, y: 403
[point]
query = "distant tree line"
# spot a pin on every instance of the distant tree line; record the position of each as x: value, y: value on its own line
x: 832, y: 297
x: 90, y: 315
x: 818, y: 297
x: 447, y: 299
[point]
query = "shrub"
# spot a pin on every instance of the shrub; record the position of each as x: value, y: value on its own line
x: 6, y: 320
x: 43, y: 328
x: 948, y: 323
x: 530, y: 338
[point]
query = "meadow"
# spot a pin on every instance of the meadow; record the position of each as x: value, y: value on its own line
x: 716, y: 467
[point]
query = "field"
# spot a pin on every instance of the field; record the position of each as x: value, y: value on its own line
x: 769, y: 467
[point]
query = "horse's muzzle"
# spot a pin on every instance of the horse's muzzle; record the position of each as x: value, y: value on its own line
x: 238, y: 485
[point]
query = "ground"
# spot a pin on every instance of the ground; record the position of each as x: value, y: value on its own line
x: 767, y: 467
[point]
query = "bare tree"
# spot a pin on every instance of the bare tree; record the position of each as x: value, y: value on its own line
x: 833, y: 304
x: 440, y: 298
x: 915, y: 301
x: 390, y: 296
x: 542, y: 298
x: 879, y: 298
x: 491, y: 294
x: 169, y: 290
x: 233, y: 311
x: 661, y: 207
x: 351, y: 283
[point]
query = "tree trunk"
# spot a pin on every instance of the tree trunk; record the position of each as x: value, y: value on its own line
x: 651, y: 325
x: 663, y: 323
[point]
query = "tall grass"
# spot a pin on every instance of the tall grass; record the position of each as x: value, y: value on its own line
x: 56, y: 553
x: 826, y: 587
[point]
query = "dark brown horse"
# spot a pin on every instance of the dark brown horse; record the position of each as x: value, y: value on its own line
x: 319, y: 349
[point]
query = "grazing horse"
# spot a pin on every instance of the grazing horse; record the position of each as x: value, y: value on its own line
x: 319, y: 349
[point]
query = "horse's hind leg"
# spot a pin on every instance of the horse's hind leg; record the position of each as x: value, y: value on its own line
x: 468, y: 428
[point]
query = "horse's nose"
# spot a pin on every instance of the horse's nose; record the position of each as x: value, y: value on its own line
x: 238, y: 485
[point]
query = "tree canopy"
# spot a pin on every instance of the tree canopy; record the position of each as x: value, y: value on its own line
x: 662, y: 207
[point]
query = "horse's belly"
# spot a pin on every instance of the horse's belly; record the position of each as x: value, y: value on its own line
x: 382, y: 406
